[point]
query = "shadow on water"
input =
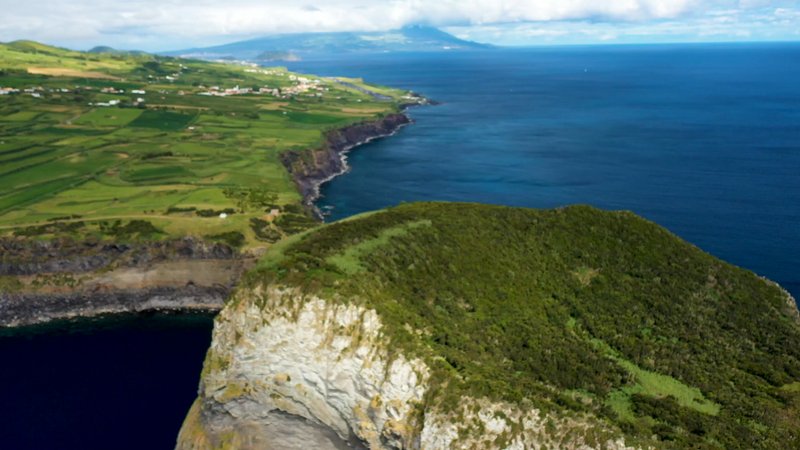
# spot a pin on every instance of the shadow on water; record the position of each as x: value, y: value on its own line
x: 118, y: 382
x: 121, y: 382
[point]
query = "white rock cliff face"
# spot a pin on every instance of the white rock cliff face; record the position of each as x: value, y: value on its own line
x: 278, y: 358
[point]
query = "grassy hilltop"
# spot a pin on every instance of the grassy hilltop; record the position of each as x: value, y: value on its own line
x: 572, y: 310
x: 123, y: 145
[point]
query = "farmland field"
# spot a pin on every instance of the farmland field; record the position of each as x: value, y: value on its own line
x: 163, y: 120
x: 89, y: 139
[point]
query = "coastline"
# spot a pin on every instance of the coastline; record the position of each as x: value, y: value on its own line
x: 182, y: 276
x: 185, y: 276
x: 29, y: 310
x: 310, y: 169
x: 345, y: 167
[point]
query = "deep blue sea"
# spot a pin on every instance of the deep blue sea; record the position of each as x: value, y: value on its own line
x: 702, y: 139
x: 121, y: 384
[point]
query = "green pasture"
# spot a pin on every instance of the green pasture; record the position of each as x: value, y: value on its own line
x: 22, y: 116
x: 108, y: 117
x: 163, y: 120
x: 180, y: 151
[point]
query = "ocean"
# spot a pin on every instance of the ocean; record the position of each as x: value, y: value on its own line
x: 702, y: 139
x: 124, y: 383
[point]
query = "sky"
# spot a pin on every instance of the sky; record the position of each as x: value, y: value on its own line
x: 158, y: 25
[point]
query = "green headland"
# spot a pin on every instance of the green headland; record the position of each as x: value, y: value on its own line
x: 573, y: 310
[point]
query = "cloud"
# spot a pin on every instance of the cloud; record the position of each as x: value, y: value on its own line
x: 722, y: 25
x: 160, y: 24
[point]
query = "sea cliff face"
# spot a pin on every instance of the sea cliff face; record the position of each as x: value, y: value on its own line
x: 56, y: 280
x: 311, y: 168
x: 277, y: 353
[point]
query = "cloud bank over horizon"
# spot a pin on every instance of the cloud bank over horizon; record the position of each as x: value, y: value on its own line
x: 169, y: 24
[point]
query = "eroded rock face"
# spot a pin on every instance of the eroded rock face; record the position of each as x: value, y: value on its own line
x: 188, y: 285
x: 311, y: 168
x: 277, y: 355
x: 309, y: 358
x: 482, y: 424
x: 21, y: 257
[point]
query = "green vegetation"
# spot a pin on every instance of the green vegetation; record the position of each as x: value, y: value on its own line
x: 349, y: 261
x: 9, y: 285
x: 163, y: 120
x: 576, y: 310
x: 126, y: 136
x: 654, y: 385
x: 234, y: 239
x: 108, y: 117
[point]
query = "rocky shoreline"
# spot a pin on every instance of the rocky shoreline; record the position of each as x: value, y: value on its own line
x: 36, y: 309
x: 48, y: 281
x: 311, y: 169
x: 65, y: 280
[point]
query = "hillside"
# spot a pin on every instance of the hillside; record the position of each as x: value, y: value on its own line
x: 314, y: 45
x: 450, y: 325
x: 91, y: 143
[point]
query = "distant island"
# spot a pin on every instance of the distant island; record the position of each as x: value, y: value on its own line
x: 289, y: 47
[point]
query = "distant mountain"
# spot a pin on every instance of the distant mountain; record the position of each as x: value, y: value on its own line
x: 287, y: 47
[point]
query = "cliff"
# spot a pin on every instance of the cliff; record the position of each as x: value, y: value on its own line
x: 437, y: 326
x: 311, y: 168
x: 330, y: 364
x: 42, y: 281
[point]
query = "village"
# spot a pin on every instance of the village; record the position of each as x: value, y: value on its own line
x: 39, y: 91
x: 302, y: 85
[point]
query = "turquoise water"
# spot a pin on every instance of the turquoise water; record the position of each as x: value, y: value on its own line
x: 703, y: 139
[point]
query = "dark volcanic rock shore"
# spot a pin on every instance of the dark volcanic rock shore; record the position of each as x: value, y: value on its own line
x: 32, y: 257
x: 63, y: 279
x: 311, y: 168
x: 26, y: 309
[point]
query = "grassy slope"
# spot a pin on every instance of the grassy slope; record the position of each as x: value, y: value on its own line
x: 66, y: 160
x: 575, y: 309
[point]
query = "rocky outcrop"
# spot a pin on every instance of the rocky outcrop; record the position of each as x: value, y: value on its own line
x: 169, y: 286
x: 33, y: 309
x: 278, y: 355
x: 42, y: 281
x: 30, y: 257
x: 311, y: 168
x: 792, y: 308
